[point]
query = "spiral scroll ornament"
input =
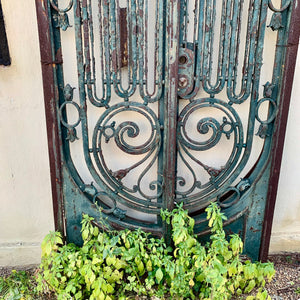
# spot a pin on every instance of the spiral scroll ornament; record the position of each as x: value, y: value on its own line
x: 209, y: 130
x: 140, y: 144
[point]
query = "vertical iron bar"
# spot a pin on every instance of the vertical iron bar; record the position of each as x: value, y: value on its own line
x: 48, y: 58
x: 170, y: 107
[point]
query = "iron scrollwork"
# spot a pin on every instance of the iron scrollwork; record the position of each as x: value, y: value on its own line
x: 110, y: 130
x: 188, y: 146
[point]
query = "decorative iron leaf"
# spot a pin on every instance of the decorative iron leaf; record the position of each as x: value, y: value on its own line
x: 68, y: 92
x: 268, y: 89
x: 72, y: 135
x: 263, y: 131
x: 276, y: 21
x: 62, y: 21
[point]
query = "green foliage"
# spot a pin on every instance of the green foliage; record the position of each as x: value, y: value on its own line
x: 113, y: 265
x: 18, y: 285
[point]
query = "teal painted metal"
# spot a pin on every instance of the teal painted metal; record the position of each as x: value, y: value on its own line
x: 170, y: 164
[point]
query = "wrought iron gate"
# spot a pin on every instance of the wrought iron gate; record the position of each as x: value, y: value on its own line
x: 167, y: 108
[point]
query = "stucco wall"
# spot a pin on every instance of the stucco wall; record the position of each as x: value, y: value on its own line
x: 286, y: 224
x: 26, y: 209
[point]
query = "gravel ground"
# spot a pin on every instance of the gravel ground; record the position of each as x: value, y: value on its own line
x: 285, y: 285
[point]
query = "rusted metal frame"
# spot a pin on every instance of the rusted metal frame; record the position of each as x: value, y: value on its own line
x: 291, y: 47
x: 170, y: 108
x: 49, y: 59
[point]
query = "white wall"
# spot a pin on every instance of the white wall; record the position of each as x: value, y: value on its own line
x: 286, y: 224
x: 25, y: 193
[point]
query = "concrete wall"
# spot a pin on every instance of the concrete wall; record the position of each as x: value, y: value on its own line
x: 26, y: 209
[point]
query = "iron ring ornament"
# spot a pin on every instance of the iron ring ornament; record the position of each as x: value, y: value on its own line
x: 71, y: 131
x: 283, y: 8
x: 62, y: 19
x: 235, y: 197
x: 59, y: 10
x: 63, y: 106
x: 273, y: 113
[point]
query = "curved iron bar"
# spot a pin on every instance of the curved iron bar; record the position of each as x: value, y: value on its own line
x: 90, y: 66
x: 114, y: 12
x: 143, y: 50
x: 209, y: 46
x: 249, y: 56
x: 66, y: 124
x: 270, y: 117
x: 182, y: 182
x: 235, y: 200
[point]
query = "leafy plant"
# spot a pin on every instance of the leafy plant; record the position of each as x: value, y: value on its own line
x: 18, y: 285
x: 115, y: 265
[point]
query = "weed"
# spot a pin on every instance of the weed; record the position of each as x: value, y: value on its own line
x: 111, y: 265
x: 18, y: 285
